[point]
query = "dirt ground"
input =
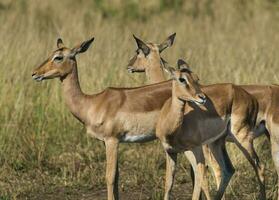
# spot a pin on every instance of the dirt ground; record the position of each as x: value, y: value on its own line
x: 100, y: 194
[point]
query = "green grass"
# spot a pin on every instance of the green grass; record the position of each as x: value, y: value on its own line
x: 44, y: 151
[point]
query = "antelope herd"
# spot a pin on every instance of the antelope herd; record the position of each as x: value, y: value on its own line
x: 183, y: 114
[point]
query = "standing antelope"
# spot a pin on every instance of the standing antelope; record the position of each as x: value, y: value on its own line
x: 148, y: 60
x: 268, y: 118
x: 152, y: 67
x: 179, y: 122
x: 182, y: 125
x: 114, y: 115
x: 272, y: 124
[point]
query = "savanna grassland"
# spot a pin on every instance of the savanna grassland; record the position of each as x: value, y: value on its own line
x: 45, y: 152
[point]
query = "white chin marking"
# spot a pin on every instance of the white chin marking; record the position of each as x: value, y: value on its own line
x: 39, y: 78
x: 199, y: 103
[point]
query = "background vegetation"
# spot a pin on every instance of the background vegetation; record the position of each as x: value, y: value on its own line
x: 44, y: 151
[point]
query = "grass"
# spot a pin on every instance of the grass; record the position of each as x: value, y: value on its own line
x: 44, y: 151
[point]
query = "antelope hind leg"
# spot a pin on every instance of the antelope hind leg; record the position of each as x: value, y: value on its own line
x: 245, y: 144
x: 275, y: 157
x: 274, y: 137
x: 219, y: 152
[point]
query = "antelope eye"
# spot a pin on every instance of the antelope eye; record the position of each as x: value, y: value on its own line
x: 182, y: 80
x: 138, y: 51
x: 58, y: 58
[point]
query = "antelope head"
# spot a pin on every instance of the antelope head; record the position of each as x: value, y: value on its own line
x: 61, y: 62
x: 185, y: 84
x: 147, y: 54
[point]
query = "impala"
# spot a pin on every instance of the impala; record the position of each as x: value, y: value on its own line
x: 152, y: 68
x: 152, y: 65
x: 272, y: 124
x: 183, y: 121
x: 114, y: 115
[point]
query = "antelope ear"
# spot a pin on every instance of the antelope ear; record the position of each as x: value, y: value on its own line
x: 195, y: 77
x: 182, y: 65
x: 141, y: 45
x: 59, y: 43
x: 170, y: 70
x: 82, y: 47
x: 167, y: 43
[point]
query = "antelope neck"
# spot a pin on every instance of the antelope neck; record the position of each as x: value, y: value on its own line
x: 73, y: 94
x: 155, y: 74
x: 177, y: 107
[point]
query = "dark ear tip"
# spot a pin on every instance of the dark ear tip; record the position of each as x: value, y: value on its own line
x: 92, y: 39
x: 59, y: 43
x: 181, y: 62
x: 59, y: 40
x: 135, y: 37
x: 172, y: 37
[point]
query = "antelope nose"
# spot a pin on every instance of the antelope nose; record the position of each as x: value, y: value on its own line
x: 202, y: 96
x: 34, y: 73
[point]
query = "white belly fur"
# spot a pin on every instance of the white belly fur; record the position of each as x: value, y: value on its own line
x: 137, y: 138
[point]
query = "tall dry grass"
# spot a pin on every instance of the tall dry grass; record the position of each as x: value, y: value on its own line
x: 44, y: 151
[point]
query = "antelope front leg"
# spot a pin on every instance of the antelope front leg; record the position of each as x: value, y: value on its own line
x: 196, y: 158
x: 216, y: 168
x: 112, y: 168
x: 170, y: 172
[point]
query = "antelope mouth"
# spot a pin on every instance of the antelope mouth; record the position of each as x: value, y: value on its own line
x: 200, y: 102
x: 38, y: 78
x: 130, y: 70
x: 133, y: 70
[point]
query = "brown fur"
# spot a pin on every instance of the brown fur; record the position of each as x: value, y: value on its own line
x: 245, y: 144
x: 181, y: 126
x: 114, y: 115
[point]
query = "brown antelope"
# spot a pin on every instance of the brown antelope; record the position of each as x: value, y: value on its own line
x: 268, y: 117
x: 153, y: 62
x: 114, y: 115
x: 272, y: 124
x: 184, y: 123
x: 154, y: 73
